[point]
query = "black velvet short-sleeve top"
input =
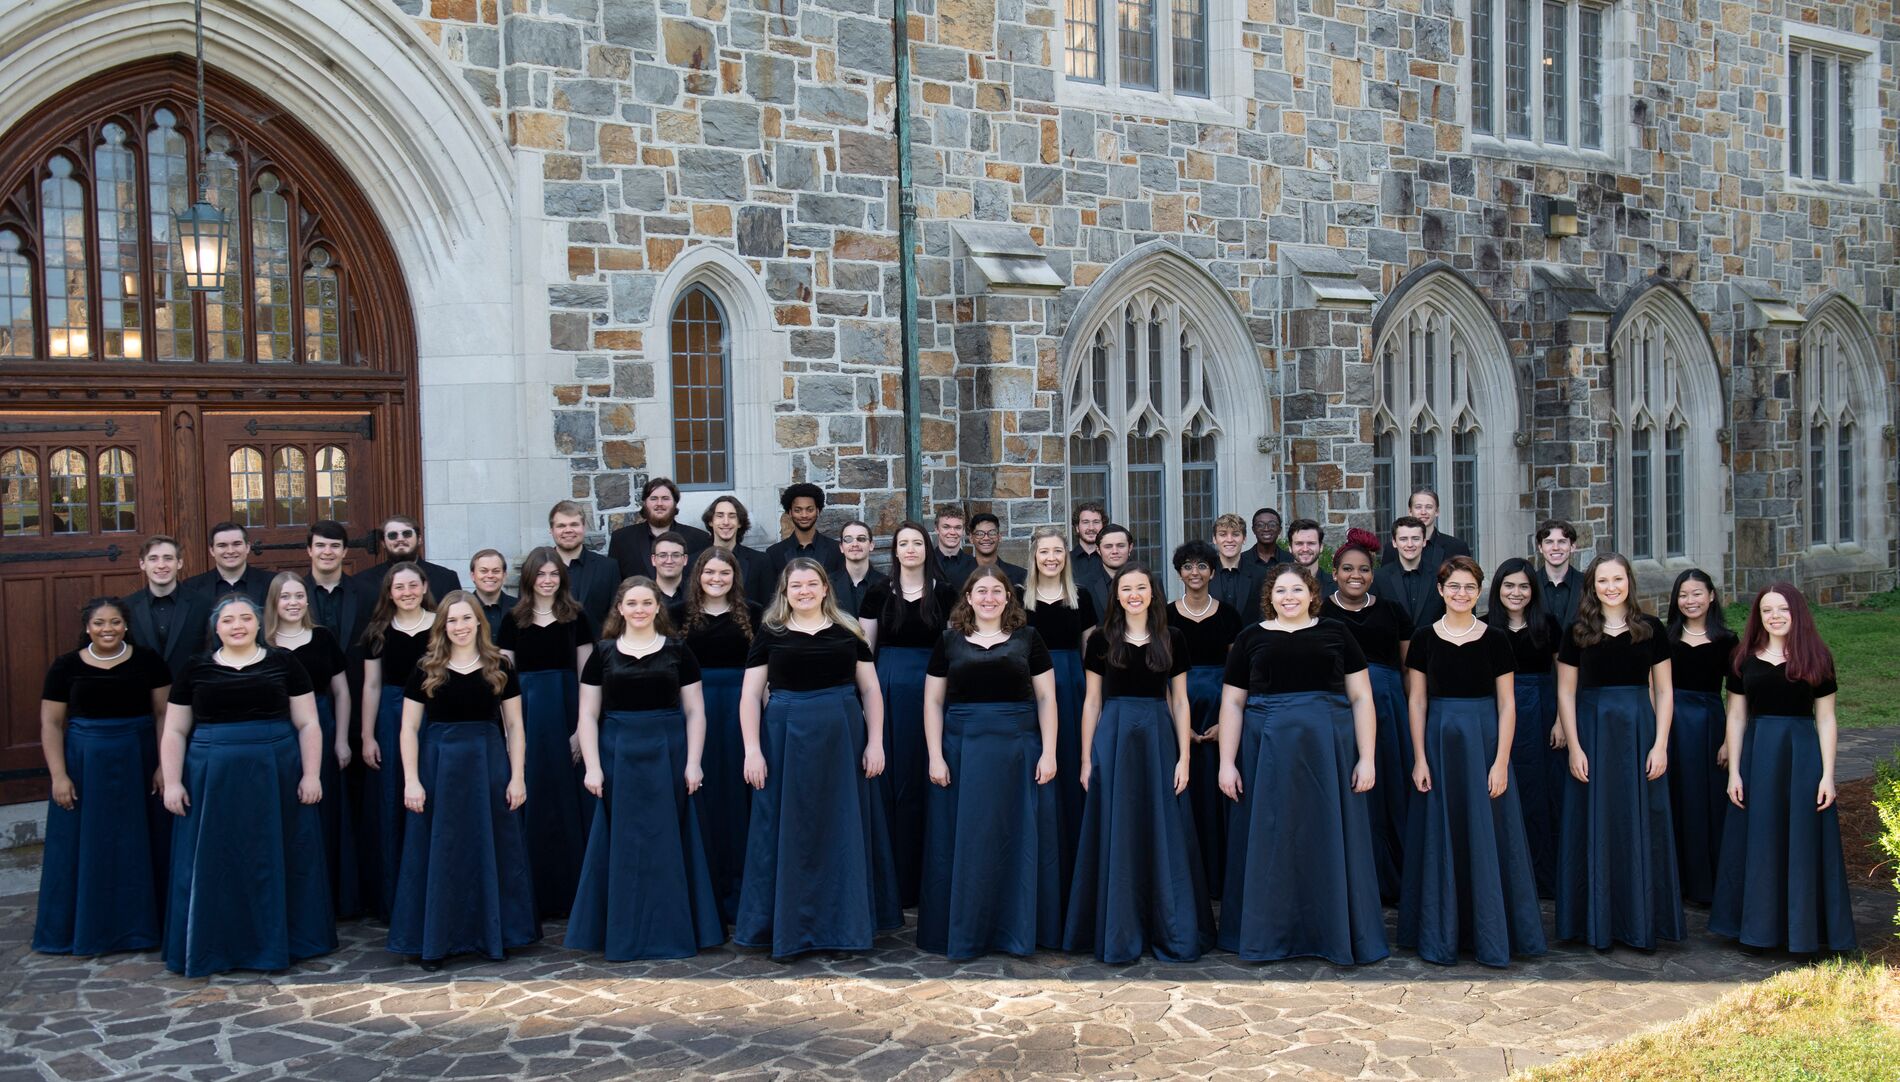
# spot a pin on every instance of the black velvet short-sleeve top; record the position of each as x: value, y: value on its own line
x: 464, y: 697
x: 1616, y: 661
x: 1315, y: 658
x: 905, y: 625
x: 1771, y: 694
x: 989, y: 674
x: 1060, y: 626
x: 1535, y: 653
x: 321, y: 658
x: 260, y: 691
x: 718, y: 643
x: 796, y: 661
x: 122, y: 691
x: 652, y: 682
x: 1209, y: 637
x: 1136, y: 680
x: 1379, y: 628
x: 399, y: 654
x: 1702, y: 666
x: 545, y: 647
x: 1466, y: 670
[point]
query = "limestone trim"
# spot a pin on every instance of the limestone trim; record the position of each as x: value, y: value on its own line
x: 1227, y: 396
x: 1842, y: 389
x: 757, y: 350
x: 1664, y: 381
x: 1442, y: 373
x: 1862, y: 52
x: 1229, y: 71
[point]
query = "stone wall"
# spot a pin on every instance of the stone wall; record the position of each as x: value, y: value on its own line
x: 764, y: 126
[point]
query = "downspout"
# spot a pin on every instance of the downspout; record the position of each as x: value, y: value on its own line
x: 907, y: 271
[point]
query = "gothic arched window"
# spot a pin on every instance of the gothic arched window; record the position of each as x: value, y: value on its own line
x: 1667, y: 408
x: 1843, y: 407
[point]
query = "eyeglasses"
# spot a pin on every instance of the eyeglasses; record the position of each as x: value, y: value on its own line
x: 985, y: 535
x: 398, y: 535
x: 1459, y: 588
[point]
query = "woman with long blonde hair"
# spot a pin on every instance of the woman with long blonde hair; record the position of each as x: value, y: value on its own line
x: 288, y: 625
x: 1062, y: 613
x: 465, y: 886
x: 818, y: 859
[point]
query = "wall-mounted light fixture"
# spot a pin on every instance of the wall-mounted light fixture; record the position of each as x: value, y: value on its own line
x: 1560, y: 217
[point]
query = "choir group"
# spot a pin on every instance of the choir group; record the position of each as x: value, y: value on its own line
x: 687, y: 740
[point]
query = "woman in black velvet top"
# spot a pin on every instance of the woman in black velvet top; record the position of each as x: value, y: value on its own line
x: 288, y: 624
x: 241, y: 756
x: 1208, y: 626
x: 721, y: 619
x: 1296, y: 743
x: 1138, y: 884
x: 989, y: 880
x: 1539, y: 762
x: 393, y: 641
x: 1617, y: 879
x: 1062, y: 613
x: 818, y: 861
x: 102, y: 875
x: 1701, y: 656
x: 1781, y: 883
x: 465, y: 885
x: 1469, y: 883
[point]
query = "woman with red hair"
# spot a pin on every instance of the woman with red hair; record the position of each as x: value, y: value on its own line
x: 1781, y: 882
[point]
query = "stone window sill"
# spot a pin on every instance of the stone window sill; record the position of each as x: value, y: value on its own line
x: 1828, y: 189
x: 1839, y: 560
x: 1491, y: 146
x: 1147, y: 103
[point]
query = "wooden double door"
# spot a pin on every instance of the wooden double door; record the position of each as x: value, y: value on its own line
x: 80, y: 491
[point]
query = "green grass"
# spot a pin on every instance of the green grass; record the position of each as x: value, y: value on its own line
x: 1866, y: 645
x: 1838, y: 1021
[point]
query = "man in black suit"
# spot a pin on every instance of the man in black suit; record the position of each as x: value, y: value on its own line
x: 1439, y: 545
x: 163, y: 616
x: 986, y: 533
x: 402, y: 543
x: 231, y: 570
x: 1116, y: 545
x: 1559, y: 583
x: 631, y: 546
x: 337, y: 601
x: 802, y: 503
x: 591, y: 577
x: 954, y: 563
x: 488, y: 569
x: 1406, y: 580
x: 1237, y: 577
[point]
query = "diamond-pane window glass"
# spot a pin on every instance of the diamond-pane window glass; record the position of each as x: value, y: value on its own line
x: 118, y: 491
x: 1088, y: 473
x: 1155, y: 364
x: 1817, y: 485
x: 19, y: 494
x: 1553, y: 55
x: 1147, y: 498
x: 1817, y: 113
x: 1083, y: 50
x: 1424, y: 461
x: 1642, y: 504
x: 1590, y: 77
x: 63, y: 235
x: 1796, y: 157
x: 1483, y: 69
x: 1199, y: 493
x: 168, y: 182
x: 701, y: 418
x: 1098, y: 369
x: 1384, y: 481
x: 1847, y: 498
x: 1556, y: 72
x: 1464, y: 486
x: 224, y: 310
x: 1517, y: 68
x: 1675, y: 496
x: 1131, y: 359
x: 1137, y: 43
x: 322, y: 307
x: 115, y: 186
x: 333, y: 483
x: 1844, y: 154
x: 290, y: 486
x: 247, y: 486
x: 270, y: 261
x: 70, y: 502
x: 16, y: 299
x: 1190, y: 47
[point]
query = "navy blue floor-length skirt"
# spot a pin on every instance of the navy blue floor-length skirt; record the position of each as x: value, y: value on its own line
x: 1538, y: 772
x: 724, y: 800
x: 818, y: 872
x: 464, y: 887
x: 1211, y: 806
x: 1138, y: 881
x: 1782, y: 882
x: 991, y: 868
x: 906, y: 780
x: 1071, y: 689
x: 1300, y: 875
x: 249, y: 889
x: 103, y: 870
x: 339, y: 826
x: 1391, y: 794
x: 555, y: 816
x: 645, y: 890
x: 1616, y: 872
x: 1469, y: 886
x: 1698, y: 790
x: 381, y: 806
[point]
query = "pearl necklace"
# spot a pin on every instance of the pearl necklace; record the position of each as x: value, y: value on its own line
x: 1368, y: 599
x: 396, y: 622
x: 1129, y: 638
x: 1050, y: 599
x: 467, y: 667
x: 640, y: 649
x: 1703, y: 634
x: 549, y: 611
x: 1445, y: 631
x: 791, y: 622
x: 1615, y: 629
x: 1517, y: 625
x: 990, y: 636
x: 96, y: 656
x: 225, y: 659
x: 1198, y: 616
x: 1278, y: 624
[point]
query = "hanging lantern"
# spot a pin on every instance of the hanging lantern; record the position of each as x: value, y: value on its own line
x: 204, y: 240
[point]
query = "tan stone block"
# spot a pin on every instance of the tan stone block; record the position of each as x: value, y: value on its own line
x: 951, y: 204
x: 618, y: 258
x: 1269, y: 189
x: 792, y: 315
x: 1262, y: 11
x: 464, y: 11
x: 1450, y: 137
x: 619, y: 341
x: 610, y: 62
x: 1347, y: 82
x: 937, y: 362
x: 1199, y: 166
x: 623, y: 454
x: 1003, y: 171
x: 796, y: 431
x: 580, y: 262
x: 1051, y: 152
x: 967, y: 24
x: 1169, y: 213
x: 1293, y: 122
x: 617, y: 144
x: 992, y: 97
x: 849, y: 244
x: 676, y: 126
x: 713, y: 11
x: 659, y: 156
x: 688, y: 45
x: 616, y: 419
x: 712, y: 219
x: 568, y: 394
x: 939, y: 436
x: 771, y: 122
x: 661, y: 251
x: 541, y: 131
x: 561, y: 167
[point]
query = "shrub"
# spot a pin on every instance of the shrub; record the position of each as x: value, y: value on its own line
x: 1887, y: 807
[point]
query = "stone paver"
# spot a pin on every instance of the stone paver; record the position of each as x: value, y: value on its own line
x: 359, y: 1015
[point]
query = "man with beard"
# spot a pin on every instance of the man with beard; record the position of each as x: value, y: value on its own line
x: 631, y: 546
x: 591, y: 577
x: 1084, y: 559
x: 1306, y: 540
x: 402, y: 542
x: 802, y: 503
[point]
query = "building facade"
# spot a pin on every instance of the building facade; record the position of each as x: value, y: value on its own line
x: 1629, y: 263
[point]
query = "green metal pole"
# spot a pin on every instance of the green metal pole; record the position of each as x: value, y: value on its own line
x: 907, y: 270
